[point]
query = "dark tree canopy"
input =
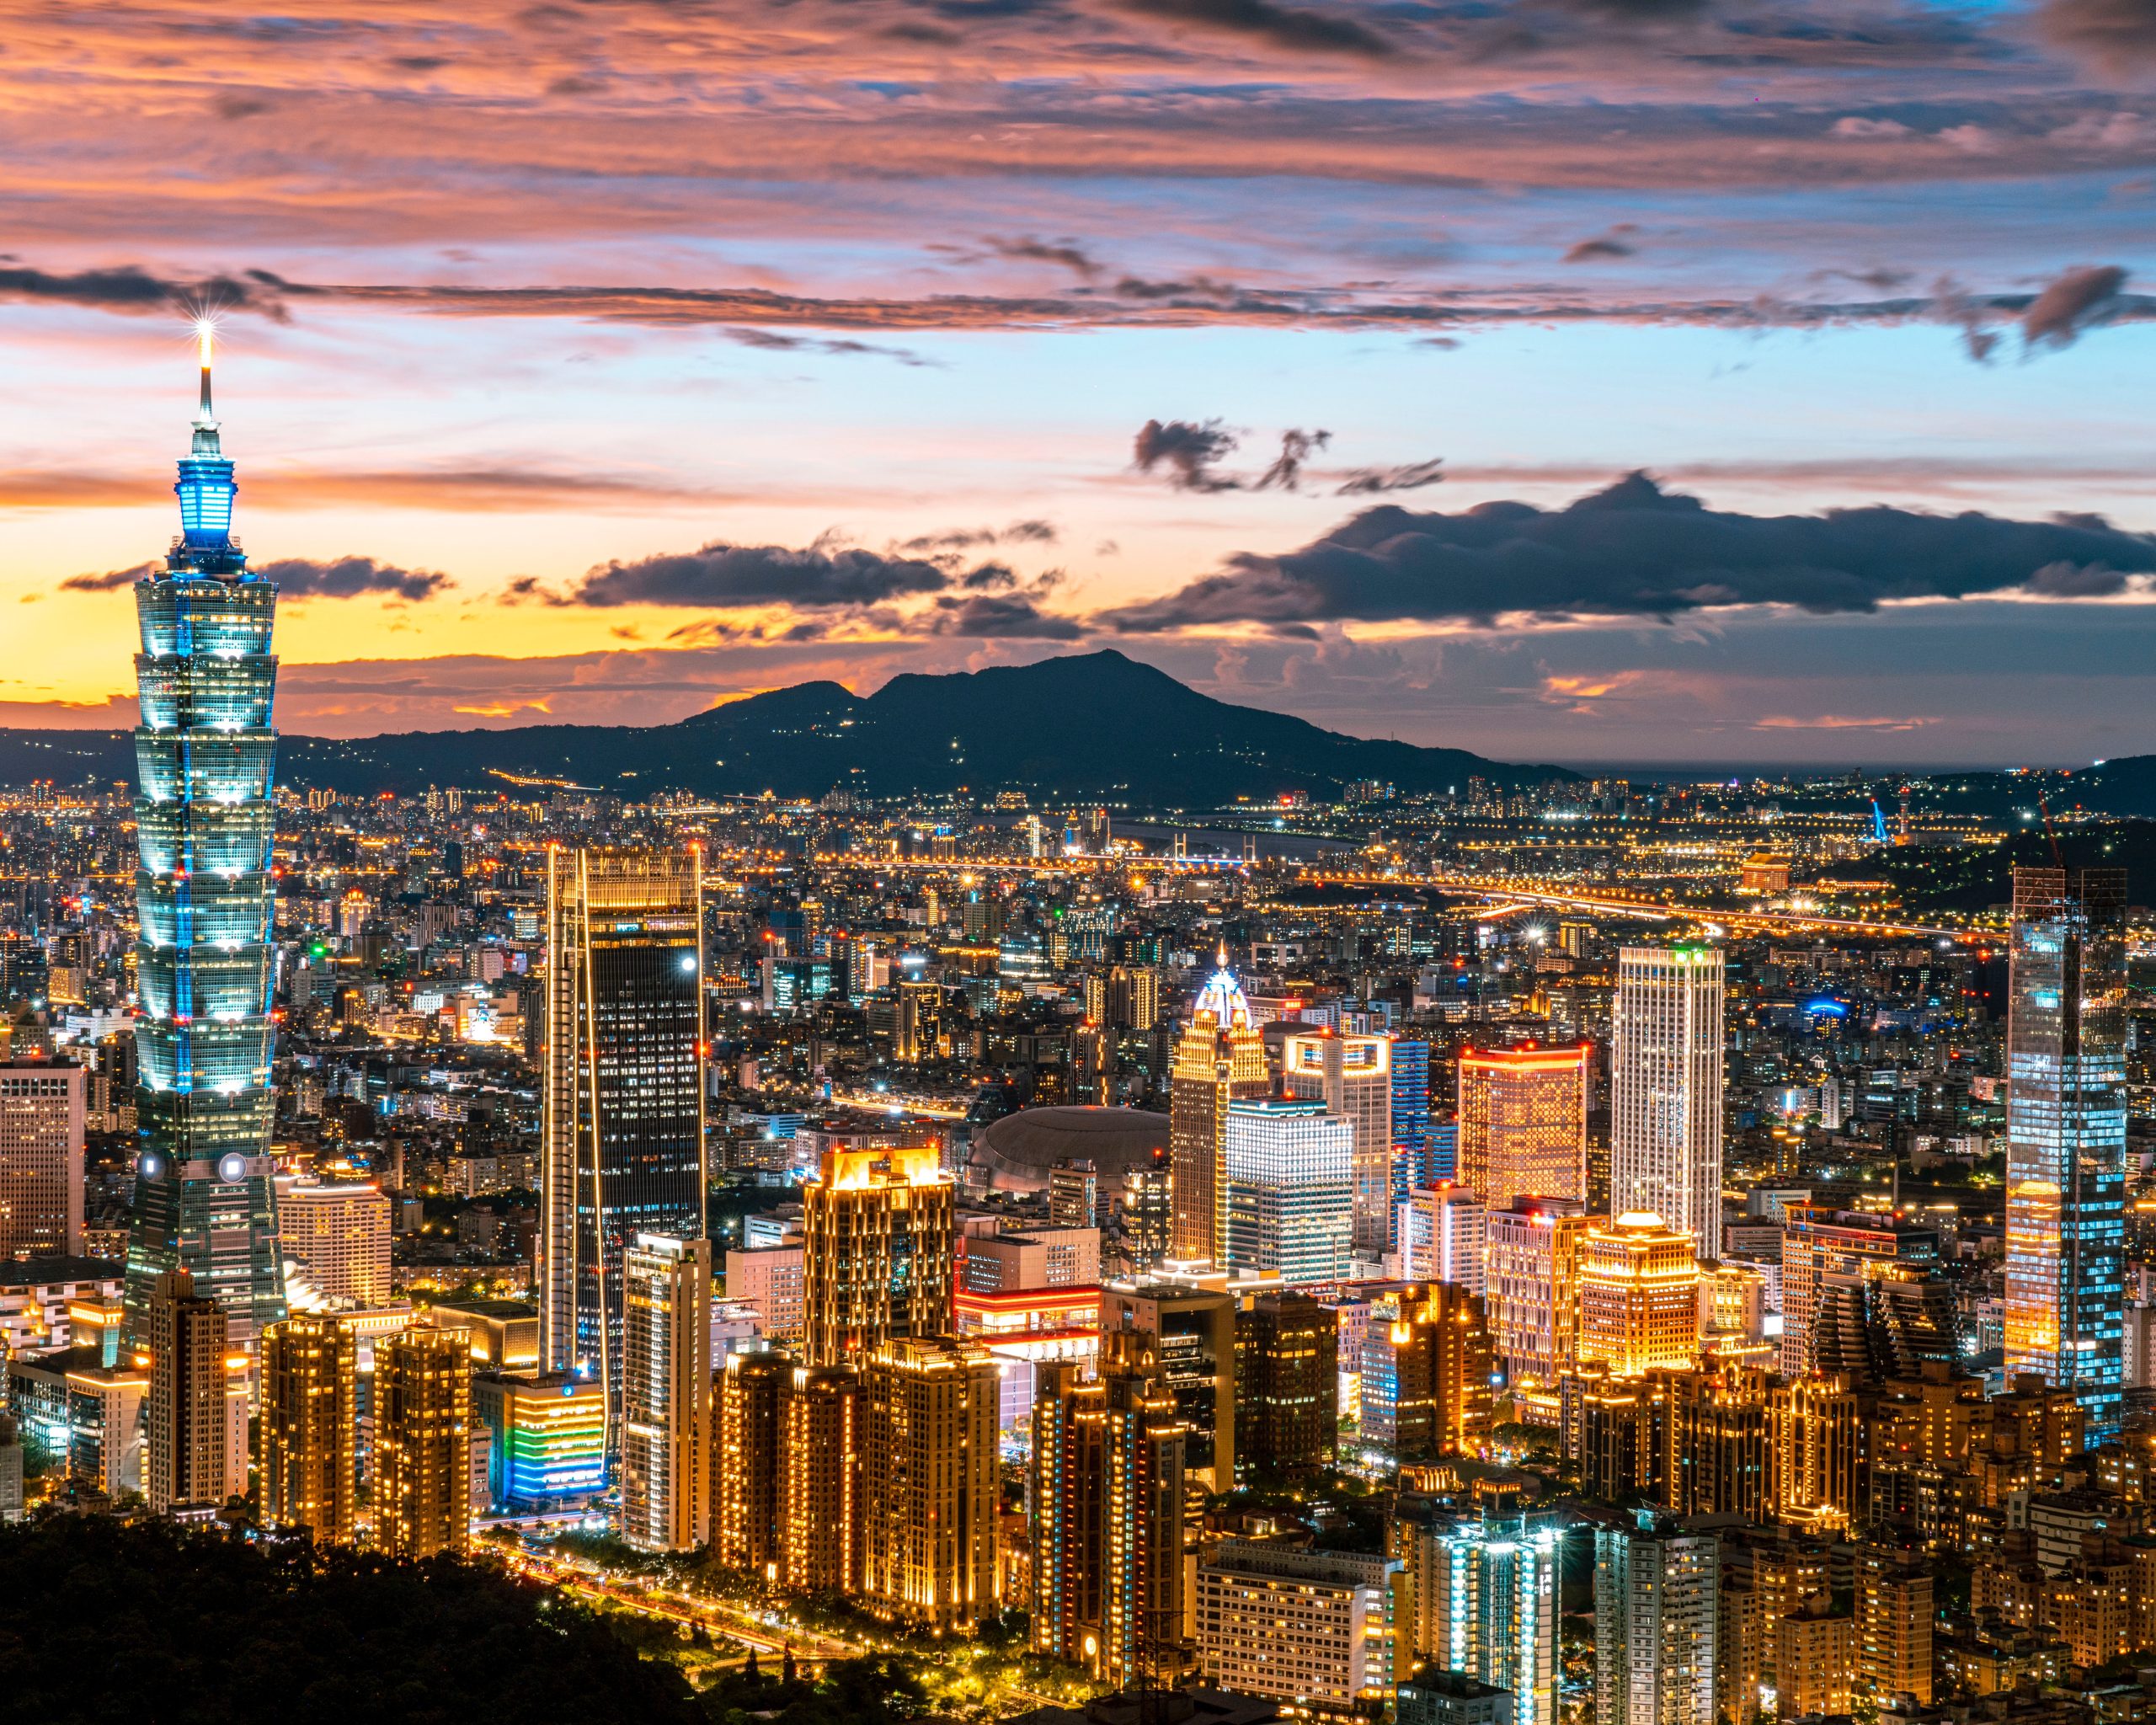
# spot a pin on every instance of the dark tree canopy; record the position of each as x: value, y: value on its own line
x: 158, y: 1626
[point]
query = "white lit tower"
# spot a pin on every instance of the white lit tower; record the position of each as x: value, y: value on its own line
x: 204, y: 1200
x: 1665, y: 1143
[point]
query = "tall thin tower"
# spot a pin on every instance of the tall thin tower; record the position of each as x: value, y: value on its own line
x: 622, y: 1135
x: 1665, y: 1146
x: 2065, y: 1113
x: 204, y: 1200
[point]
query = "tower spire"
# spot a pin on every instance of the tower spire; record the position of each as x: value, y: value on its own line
x: 205, y: 419
x: 205, y: 487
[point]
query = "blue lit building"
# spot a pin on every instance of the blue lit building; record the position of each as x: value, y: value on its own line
x: 1410, y: 1117
x: 2066, y: 1111
x: 204, y: 1200
x: 1486, y: 1601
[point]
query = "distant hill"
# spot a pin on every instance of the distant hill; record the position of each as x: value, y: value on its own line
x: 1973, y: 878
x: 1091, y: 726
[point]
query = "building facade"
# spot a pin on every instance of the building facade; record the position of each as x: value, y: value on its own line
x: 1639, y: 1288
x: 1290, y: 1174
x: 1308, y: 1627
x: 43, y: 1120
x: 666, y: 1394
x: 1656, y: 1618
x: 1218, y: 1058
x: 338, y: 1236
x: 192, y: 1461
x: 1666, y: 1129
x: 1523, y: 1123
x: 878, y: 1253
x: 931, y: 1490
x: 308, y: 1461
x: 423, y: 1442
x: 1351, y: 1075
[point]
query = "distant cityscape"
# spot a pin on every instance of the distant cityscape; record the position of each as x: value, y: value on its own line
x: 1593, y: 1251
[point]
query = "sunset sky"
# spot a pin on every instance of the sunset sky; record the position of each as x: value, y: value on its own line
x: 598, y: 361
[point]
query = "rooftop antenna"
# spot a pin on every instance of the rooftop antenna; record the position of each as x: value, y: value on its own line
x: 2058, y: 861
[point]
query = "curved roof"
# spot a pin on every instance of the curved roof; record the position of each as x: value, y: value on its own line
x: 1016, y: 1153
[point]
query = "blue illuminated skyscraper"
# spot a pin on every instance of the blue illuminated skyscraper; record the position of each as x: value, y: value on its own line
x: 2066, y: 1136
x: 204, y: 1200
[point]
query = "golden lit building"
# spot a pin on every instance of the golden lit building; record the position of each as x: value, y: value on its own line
x: 338, y: 1236
x: 1523, y: 1123
x: 931, y: 1486
x: 1441, y: 1363
x: 1816, y: 1436
x: 666, y: 1394
x: 819, y: 1480
x: 1531, y: 1285
x: 309, y: 1464
x: 1893, y: 1626
x: 423, y: 1442
x: 1220, y: 1059
x: 1815, y: 1657
x: 748, y: 1420
x: 1639, y: 1287
x: 876, y: 1251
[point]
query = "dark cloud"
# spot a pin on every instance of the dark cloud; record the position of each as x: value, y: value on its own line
x: 1001, y: 616
x: 349, y: 578
x: 1296, y: 448
x: 1618, y: 242
x: 1067, y: 253
x: 2118, y: 35
x: 2071, y: 304
x: 720, y: 574
x: 1280, y: 26
x: 130, y: 288
x: 1031, y: 532
x: 1188, y: 451
x: 1636, y: 551
x: 776, y: 341
x: 1365, y: 482
x: 107, y: 581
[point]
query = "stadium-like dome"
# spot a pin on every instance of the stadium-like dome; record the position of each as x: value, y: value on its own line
x: 1016, y: 1153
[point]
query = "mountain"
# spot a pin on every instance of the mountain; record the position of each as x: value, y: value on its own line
x: 1095, y: 725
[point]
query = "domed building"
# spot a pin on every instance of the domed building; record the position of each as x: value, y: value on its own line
x: 1015, y: 1154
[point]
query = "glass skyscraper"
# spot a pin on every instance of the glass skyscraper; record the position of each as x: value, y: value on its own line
x: 2066, y: 1136
x: 204, y: 1200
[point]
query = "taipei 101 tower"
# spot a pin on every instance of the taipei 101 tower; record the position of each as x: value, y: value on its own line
x: 204, y: 1200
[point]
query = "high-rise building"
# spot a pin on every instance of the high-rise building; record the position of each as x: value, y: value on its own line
x: 1411, y: 1116
x: 1639, y: 1287
x: 1718, y: 1449
x: 1665, y: 1155
x: 622, y: 1131
x: 1893, y: 1626
x: 1486, y: 1604
x: 1194, y: 1332
x: 1523, y: 1124
x: 545, y: 1438
x: 191, y: 1467
x: 1817, y: 1439
x: 1127, y: 997
x: 423, y: 1442
x: 931, y: 1490
x: 1149, y: 1212
x: 1439, y: 1354
x: 1815, y: 1659
x: 1220, y: 1059
x: 877, y: 1252
x: 43, y: 1119
x: 1286, y: 1386
x: 1302, y: 1626
x: 746, y: 1459
x: 1442, y: 1235
x: 1289, y: 1167
x: 309, y: 1459
x: 1531, y: 1287
x: 204, y: 1197
x: 1352, y: 1076
x: 1074, y: 1193
x: 819, y: 1509
x: 666, y: 1393
x: 1105, y: 1504
x: 338, y: 1237
x: 2066, y: 1113
x: 1819, y: 1241
x: 1656, y: 1617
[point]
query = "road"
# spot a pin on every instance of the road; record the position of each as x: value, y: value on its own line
x: 736, y: 1622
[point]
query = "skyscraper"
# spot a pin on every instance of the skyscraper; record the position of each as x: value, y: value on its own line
x: 1220, y: 1059
x: 930, y: 1484
x: 43, y: 1120
x: 747, y: 1459
x: 877, y: 1252
x: 1287, y: 1384
x: 191, y: 1465
x: 1353, y: 1077
x: 622, y: 1149
x: 1411, y: 1116
x: 309, y: 1459
x: 204, y: 1200
x: 666, y: 1394
x: 1665, y: 1153
x: 1523, y: 1124
x: 1289, y: 1167
x: 1638, y: 1294
x: 1531, y: 1283
x: 422, y: 1436
x: 1655, y: 1599
x: 1486, y: 1604
x: 819, y: 1491
x: 2066, y: 1136
x: 338, y: 1236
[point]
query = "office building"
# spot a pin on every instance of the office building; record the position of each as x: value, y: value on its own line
x: 86, y: 1412
x: 1665, y: 1155
x: 1639, y: 1288
x: 1074, y: 1193
x: 192, y: 1462
x: 545, y: 1438
x: 1485, y: 1604
x: 423, y: 1443
x: 1220, y: 1059
x: 1105, y: 1510
x: 2066, y: 1113
x: 1287, y: 1387
x: 1290, y: 1191
x: 1818, y: 1242
x: 821, y: 1498
x: 931, y: 1490
x: 749, y: 1421
x: 337, y: 1236
x: 1149, y: 1213
x: 1410, y: 1117
x: 1531, y: 1255
x: 1193, y: 1327
x: 622, y: 1148
x: 1442, y: 1237
x: 1523, y: 1123
x: 1656, y: 1618
x: 43, y: 1120
x: 771, y: 1278
x: 666, y: 1392
x: 878, y: 1254
x: 1308, y: 1627
x: 308, y: 1463
x: 1426, y: 1382
x: 205, y: 1202
x: 1352, y: 1076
